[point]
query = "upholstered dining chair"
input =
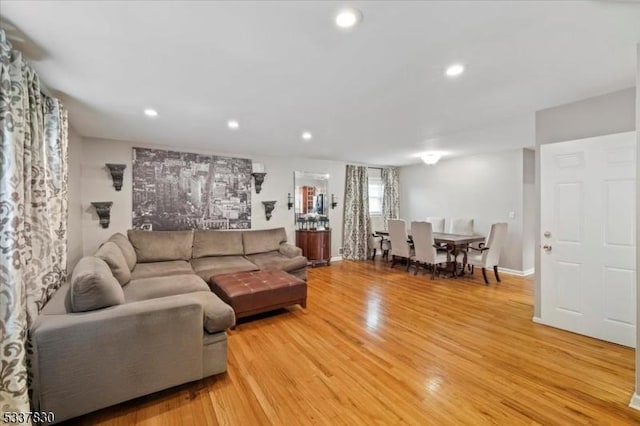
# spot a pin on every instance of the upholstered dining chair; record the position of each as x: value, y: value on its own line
x: 400, y: 246
x: 488, y: 254
x: 461, y: 226
x: 426, y: 252
x: 375, y: 240
x: 437, y: 223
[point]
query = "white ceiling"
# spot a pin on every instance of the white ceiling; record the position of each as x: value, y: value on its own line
x: 374, y: 94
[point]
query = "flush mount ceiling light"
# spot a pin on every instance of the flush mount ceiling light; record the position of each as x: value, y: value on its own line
x: 348, y: 18
x: 431, y: 158
x: 233, y: 124
x: 454, y: 70
x: 307, y: 136
x: 150, y: 112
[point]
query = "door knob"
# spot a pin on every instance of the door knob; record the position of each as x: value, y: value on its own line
x: 546, y: 247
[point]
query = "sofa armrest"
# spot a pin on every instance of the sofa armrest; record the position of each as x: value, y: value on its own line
x: 289, y: 250
x: 86, y: 361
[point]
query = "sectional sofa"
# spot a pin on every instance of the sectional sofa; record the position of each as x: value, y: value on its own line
x: 138, y: 316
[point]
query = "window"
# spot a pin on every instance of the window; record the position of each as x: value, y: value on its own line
x: 376, y: 191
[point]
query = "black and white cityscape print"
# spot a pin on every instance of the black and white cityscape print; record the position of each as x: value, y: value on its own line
x: 179, y: 190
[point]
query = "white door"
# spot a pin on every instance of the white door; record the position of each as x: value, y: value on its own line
x: 588, y: 220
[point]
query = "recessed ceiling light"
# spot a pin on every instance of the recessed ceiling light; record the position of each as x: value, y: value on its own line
x: 347, y: 18
x: 150, y: 112
x: 233, y: 124
x: 307, y: 136
x: 454, y: 70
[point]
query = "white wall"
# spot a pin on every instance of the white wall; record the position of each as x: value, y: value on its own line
x: 483, y: 187
x: 638, y: 221
x: 74, y: 231
x: 98, y: 186
x: 529, y: 211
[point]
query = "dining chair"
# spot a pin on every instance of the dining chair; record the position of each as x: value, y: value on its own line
x: 488, y: 254
x: 426, y: 252
x: 461, y: 226
x: 400, y: 246
x: 437, y: 223
x: 375, y: 241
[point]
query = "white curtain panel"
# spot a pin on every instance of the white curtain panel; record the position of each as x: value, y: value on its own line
x: 357, y: 227
x: 33, y: 214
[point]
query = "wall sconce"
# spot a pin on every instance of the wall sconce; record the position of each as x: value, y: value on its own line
x: 258, y: 176
x: 117, y: 171
x: 268, y: 208
x: 334, y: 203
x: 289, y: 201
x: 103, y: 208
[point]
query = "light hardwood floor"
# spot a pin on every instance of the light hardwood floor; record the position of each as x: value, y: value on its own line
x: 377, y: 345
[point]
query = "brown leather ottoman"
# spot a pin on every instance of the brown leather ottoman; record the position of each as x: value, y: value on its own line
x: 250, y: 293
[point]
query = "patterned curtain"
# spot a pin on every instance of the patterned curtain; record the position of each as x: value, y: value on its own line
x: 390, y: 197
x: 357, y: 226
x: 33, y: 214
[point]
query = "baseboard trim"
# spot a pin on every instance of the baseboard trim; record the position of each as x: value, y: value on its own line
x: 336, y: 258
x: 525, y: 273
x: 538, y: 320
x: 635, y: 401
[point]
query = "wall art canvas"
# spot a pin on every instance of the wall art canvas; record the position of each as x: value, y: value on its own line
x: 180, y: 190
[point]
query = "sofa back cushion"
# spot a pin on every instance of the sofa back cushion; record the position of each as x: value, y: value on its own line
x: 93, y: 286
x: 126, y: 248
x: 112, y: 255
x: 217, y: 243
x: 264, y: 240
x: 160, y: 246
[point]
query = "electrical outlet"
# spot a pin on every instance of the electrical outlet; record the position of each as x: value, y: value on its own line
x: 340, y: 250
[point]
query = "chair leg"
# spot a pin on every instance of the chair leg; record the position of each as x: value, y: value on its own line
x: 374, y: 255
x: 417, y: 265
x: 393, y: 260
x: 495, y: 272
x: 434, y: 269
x: 408, y: 264
x: 484, y: 274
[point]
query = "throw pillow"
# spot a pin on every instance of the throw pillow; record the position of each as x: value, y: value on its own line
x: 111, y: 253
x: 127, y: 249
x: 93, y: 286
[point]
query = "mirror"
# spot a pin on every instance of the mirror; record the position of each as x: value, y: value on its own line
x: 311, y: 198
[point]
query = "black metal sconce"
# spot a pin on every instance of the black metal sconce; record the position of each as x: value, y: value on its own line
x: 117, y: 172
x: 268, y: 208
x: 334, y: 203
x: 259, y: 180
x: 103, y: 208
x: 289, y: 201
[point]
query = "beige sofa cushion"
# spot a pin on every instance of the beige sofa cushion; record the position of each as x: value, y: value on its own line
x: 217, y: 243
x: 93, y: 286
x: 206, y: 267
x: 126, y: 248
x: 263, y: 241
x: 152, y: 288
x: 161, y: 269
x: 111, y: 253
x: 275, y: 260
x: 159, y: 246
x: 218, y: 316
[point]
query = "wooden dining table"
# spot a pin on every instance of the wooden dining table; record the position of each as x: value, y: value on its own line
x: 455, y: 244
